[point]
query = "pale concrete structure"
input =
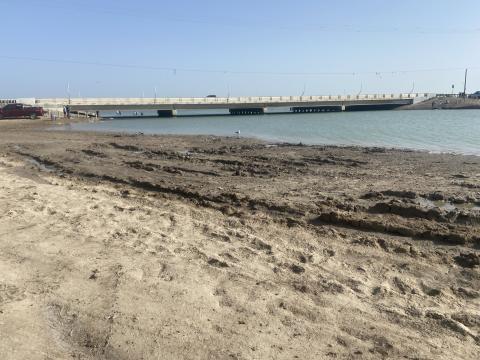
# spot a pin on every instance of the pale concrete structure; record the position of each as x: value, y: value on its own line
x: 236, y: 105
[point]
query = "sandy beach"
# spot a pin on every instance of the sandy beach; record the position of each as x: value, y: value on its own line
x: 117, y: 246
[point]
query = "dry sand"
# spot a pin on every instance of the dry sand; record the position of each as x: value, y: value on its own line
x: 154, y: 247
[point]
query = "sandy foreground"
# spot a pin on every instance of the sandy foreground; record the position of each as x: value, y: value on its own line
x: 163, y: 247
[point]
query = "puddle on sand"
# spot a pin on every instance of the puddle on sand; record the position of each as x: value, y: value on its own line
x: 447, y: 206
x: 41, y: 166
x: 469, y: 206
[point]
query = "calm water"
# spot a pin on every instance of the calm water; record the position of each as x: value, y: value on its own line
x: 456, y: 131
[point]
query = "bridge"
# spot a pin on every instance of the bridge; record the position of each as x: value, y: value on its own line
x: 167, y: 107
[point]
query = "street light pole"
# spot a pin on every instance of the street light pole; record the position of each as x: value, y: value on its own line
x: 413, y: 88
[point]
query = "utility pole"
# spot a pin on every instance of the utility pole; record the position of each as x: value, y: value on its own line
x: 361, y: 88
x: 465, y: 85
x: 413, y: 87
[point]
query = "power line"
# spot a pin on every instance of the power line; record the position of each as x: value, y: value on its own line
x: 175, y: 70
x: 145, y: 13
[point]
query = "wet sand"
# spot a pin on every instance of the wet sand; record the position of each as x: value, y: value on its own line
x: 190, y: 247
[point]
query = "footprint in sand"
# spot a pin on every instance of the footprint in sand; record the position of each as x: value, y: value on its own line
x: 10, y: 293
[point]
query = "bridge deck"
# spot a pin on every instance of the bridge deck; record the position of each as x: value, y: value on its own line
x: 227, y: 103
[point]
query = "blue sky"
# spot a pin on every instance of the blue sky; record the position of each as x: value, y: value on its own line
x: 247, y: 47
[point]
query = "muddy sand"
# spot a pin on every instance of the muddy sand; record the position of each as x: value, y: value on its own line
x: 166, y: 247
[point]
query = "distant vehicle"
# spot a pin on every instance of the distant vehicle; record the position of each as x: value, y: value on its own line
x: 211, y: 96
x: 21, y: 111
x: 475, y: 95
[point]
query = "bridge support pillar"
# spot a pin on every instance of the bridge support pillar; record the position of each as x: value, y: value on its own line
x: 372, y: 107
x: 316, y: 109
x: 166, y: 113
x: 247, y: 111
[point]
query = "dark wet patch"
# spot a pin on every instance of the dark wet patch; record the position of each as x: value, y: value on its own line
x: 468, y: 260
x: 217, y: 263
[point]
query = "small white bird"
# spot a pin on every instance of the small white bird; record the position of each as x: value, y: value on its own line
x: 238, y: 133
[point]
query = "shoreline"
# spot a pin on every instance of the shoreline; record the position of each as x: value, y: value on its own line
x: 124, y: 245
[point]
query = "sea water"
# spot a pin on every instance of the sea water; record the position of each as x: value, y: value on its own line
x: 452, y: 131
